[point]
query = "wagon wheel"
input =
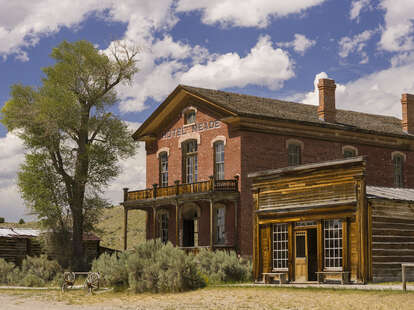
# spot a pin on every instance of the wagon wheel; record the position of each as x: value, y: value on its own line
x: 68, y: 280
x: 92, y: 282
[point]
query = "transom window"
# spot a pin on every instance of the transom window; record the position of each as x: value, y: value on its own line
x: 163, y: 158
x: 398, y: 161
x: 294, y: 154
x: 219, y: 160
x: 189, y: 117
x: 163, y: 225
x: 332, y: 231
x: 190, y: 161
x: 280, y: 247
x: 220, y: 224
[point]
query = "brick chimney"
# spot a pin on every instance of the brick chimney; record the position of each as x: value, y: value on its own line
x: 326, y: 109
x: 407, y: 103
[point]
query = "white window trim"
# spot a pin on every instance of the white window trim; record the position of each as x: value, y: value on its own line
x: 189, y: 136
x: 186, y: 109
x: 163, y: 149
x: 395, y: 153
x: 350, y: 147
x: 217, y: 139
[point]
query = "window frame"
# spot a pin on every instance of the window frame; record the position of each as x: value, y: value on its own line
x: 333, y: 247
x: 220, y: 227
x: 163, y: 223
x: 349, y: 149
x: 218, y: 165
x: 294, y: 150
x: 398, y: 169
x: 190, y: 157
x: 187, y: 115
x: 163, y: 173
x: 280, y: 247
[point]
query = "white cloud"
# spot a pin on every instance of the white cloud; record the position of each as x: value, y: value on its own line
x: 398, y: 34
x: 357, y: 7
x: 356, y: 44
x: 300, y: 44
x: 247, y: 13
x: 264, y: 65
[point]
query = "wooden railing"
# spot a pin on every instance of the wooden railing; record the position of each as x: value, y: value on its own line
x: 180, y: 189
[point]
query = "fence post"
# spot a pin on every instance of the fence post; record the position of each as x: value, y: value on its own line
x: 212, y: 185
x: 177, y: 183
x: 154, y: 190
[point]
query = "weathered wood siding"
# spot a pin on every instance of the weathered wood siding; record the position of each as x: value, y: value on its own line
x: 354, y: 253
x: 392, y: 239
x: 13, y: 249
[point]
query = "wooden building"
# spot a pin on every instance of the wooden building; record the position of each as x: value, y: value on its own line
x: 320, y: 221
x: 201, y: 144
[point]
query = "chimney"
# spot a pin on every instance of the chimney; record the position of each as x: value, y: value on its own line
x: 326, y: 109
x: 407, y: 103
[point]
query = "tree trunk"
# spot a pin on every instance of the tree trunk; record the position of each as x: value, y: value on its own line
x: 78, y: 255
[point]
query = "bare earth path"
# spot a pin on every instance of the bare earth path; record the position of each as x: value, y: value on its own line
x: 211, y: 298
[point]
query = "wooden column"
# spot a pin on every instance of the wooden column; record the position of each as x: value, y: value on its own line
x: 177, y: 223
x: 291, y: 250
x: 154, y: 222
x: 125, y: 227
x: 256, y: 237
x: 345, y: 245
x: 211, y: 223
x: 320, y: 245
x: 236, y: 237
x: 361, y: 218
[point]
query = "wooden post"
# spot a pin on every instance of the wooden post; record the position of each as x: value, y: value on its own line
x: 177, y: 184
x: 211, y: 179
x: 125, y: 193
x: 236, y: 177
x: 255, y: 232
x: 154, y: 222
x: 320, y: 245
x: 345, y: 245
x: 236, y: 243
x: 404, y: 277
x: 154, y: 190
x: 177, y: 223
x: 125, y: 227
x: 211, y: 223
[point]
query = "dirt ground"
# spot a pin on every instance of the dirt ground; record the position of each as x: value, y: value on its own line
x: 211, y: 298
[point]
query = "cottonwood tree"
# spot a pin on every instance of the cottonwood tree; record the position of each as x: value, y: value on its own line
x: 73, y: 142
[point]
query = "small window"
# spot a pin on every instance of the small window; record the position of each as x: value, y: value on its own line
x: 349, y: 151
x: 190, y: 117
x: 163, y: 158
x: 219, y: 160
x: 220, y: 224
x: 294, y: 154
x: 398, y: 161
x: 163, y: 226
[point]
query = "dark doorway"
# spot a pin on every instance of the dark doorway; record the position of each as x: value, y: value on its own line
x: 312, y: 254
x: 188, y: 233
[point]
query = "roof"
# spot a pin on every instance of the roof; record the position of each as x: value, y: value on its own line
x: 19, y: 232
x: 246, y: 105
x: 406, y: 194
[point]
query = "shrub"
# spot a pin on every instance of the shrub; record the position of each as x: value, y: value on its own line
x: 153, y: 266
x: 5, y: 270
x: 221, y: 266
x: 2, y: 220
x: 35, y: 268
x: 21, y: 221
x: 112, y: 269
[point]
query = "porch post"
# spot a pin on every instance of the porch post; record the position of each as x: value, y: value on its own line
x: 154, y: 222
x: 177, y: 223
x: 125, y: 227
x: 211, y: 223
x: 236, y: 236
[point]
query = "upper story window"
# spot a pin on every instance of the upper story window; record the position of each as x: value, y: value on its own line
x: 189, y: 117
x: 398, y: 162
x: 190, y: 161
x: 349, y: 151
x: 163, y: 159
x: 294, y: 154
x: 219, y: 160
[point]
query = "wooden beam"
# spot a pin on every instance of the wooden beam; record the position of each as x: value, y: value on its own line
x: 319, y: 230
x: 345, y: 245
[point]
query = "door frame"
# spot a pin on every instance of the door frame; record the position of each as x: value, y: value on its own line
x: 301, y: 232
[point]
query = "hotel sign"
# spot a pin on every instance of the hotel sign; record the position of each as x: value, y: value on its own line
x: 197, y: 127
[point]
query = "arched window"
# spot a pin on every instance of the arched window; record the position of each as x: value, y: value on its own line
x: 398, y: 162
x: 349, y: 151
x: 189, y: 117
x: 163, y: 225
x: 163, y: 160
x: 219, y: 160
x: 190, y: 161
x: 294, y: 154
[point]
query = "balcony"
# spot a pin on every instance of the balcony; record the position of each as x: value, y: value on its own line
x: 182, y: 189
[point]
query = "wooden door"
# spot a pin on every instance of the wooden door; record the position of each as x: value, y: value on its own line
x: 301, y: 256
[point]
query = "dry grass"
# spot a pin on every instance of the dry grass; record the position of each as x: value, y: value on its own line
x: 233, y: 298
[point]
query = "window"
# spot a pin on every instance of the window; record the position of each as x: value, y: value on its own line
x: 220, y: 224
x: 189, y: 117
x: 163, y: 226
x: 294, y: 154
x: 332, y: 231
x: 219, y: 160
x: 163, y: 158
x: 190, y: 163
x: 398, y: 161
x: 280, y: 246
x: 349, y: 152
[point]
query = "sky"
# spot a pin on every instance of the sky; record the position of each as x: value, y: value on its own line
x: 269, y: 48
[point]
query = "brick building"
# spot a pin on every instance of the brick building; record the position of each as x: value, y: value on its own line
x: 201, y: 145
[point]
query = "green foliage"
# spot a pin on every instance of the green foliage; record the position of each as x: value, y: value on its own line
x: 32, y: 280
x: 38, y: 270
x: 21, y: 221
x: 2, y: 220
x: 5, y: 270
x: 112, y: 269
x: 222, y: 266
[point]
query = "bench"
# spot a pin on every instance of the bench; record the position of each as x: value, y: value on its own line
x: 282, y: 277
x: 345, y: 276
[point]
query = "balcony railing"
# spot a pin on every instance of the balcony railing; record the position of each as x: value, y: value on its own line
x: 180, y: 189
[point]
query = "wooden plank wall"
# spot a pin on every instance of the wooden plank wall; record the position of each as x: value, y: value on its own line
x: 392, y: 239
x: 13, y: 249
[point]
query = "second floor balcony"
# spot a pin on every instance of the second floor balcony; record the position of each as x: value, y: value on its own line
x: 178, y: 189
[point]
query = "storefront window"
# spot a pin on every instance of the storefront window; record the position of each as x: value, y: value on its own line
x: 332, y: 230
x: 280, y: 246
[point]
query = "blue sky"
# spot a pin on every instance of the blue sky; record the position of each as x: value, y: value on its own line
x: 270, y: 48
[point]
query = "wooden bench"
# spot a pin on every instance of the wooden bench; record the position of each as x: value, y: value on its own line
x: 345, y: 275
x: 281, y: 276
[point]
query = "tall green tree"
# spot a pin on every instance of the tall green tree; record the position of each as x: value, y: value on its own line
x: 73, y: 142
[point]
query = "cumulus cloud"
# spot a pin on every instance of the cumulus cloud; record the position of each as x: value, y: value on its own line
x: 357, y: 7
x: 248, y: 13
x: 300, y: 44
x: 398, y: 33
x: 356, y: 44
